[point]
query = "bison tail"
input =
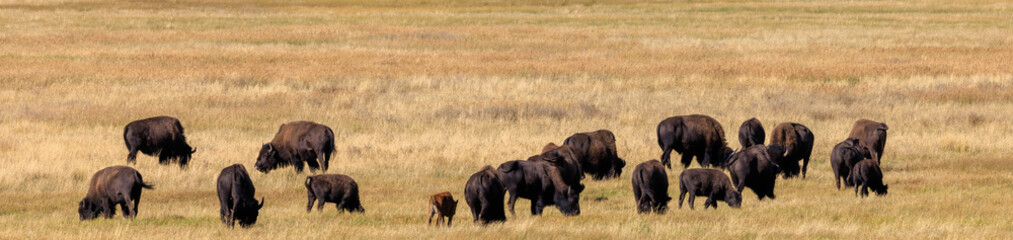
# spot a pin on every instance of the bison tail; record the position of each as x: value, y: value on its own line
x: 309, y: 180
x: 141, y: 182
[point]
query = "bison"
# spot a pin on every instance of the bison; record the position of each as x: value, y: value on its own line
x: 871, y: 135
x: 844, y: 157
x: 336, y: 188
x: 650, y: 187
x: 442, y: 205
x: 539, y: 182
x: 865, y: 175
x: 693, y: 135
x: 752, y: 167
x: 710, y: 183
x: 484, y: 194
x: 751, y: 133
x: 597, y: 152
x: 235, y: 194
x: 297, y: 142
x: 161, y: 135
x: 111, y: 186
x: 797, y: 141
x: 565, y: 158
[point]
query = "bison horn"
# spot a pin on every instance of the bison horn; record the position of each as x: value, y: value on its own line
x: 261, y: 203
x: 193, y: 150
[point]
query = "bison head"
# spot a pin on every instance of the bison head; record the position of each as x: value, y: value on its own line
x: 881, y: 191
x: 729, y: 159
x: 726, y: 153
x: 268, y: 158
x: 617, y: 167
x: 88, y: 210
x: 733, y: 198
x: 568, y: 201
x: 246, y: 212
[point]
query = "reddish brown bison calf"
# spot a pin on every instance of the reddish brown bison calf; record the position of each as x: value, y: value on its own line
x: 442, y: 205
x: 335, y: 188
x: 111, y: 186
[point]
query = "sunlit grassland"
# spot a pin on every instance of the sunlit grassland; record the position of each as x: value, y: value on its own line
x: 421, y: 94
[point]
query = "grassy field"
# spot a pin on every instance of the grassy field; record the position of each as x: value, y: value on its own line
x: 421, y: 94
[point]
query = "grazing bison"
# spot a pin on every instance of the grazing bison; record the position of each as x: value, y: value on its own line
x: 751, y: 133
x: 442, y: 205
x: 752, y: 167
x: 336, y: 188
x: 161, y: 135
x: 693, y: 135
x: 235, y: 194
x: 844, y: 157
x: 484, y: 194
x: 597, y: 152
x: 866, y: 175
x: 710, y: 183
x: 564, y: 158
x: 297, y: 142
x: 650, y: 187
x: 797, y: 141
x: 539, y: 182
x: 871, y: 135
x: 111, y: 186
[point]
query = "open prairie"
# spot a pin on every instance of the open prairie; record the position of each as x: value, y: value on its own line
x: 423, y: 93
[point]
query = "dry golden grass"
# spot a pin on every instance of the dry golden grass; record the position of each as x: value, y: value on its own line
x: 423, y: 93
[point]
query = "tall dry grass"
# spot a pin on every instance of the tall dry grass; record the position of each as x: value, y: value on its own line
x: 423, y: 93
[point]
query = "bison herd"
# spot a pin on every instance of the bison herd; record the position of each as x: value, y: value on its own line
x: 550, y: 178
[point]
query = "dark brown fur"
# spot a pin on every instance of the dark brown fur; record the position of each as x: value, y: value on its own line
x: 484, y: 194
x: 650, y: 187
x: 111, y: 186
x: 598, y: 155
x: 797, y: 141
x: 867, y: 174
x: 844, y: 157
x: 752, y: 167
x: 442, y: 205
x: 297, y: 142
x: 710, y: 183
x: 235, y: 197
x: 871, y: 135
x: 540, y: 182
x: 162, y: 136
x: 751, y: 133
x: 697, y: 136
x: 563, y: 158
x: 336, y: 188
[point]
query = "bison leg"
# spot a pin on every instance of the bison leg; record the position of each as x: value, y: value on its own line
x: 511, y: 201
x: 320, y: 205
x: 692, y: 198
x: 324, y: 159
x: 666, y: 156
x: 312, y: 198
x: 537, y: 206
x: 432, y: 211
x: 865, y: 189
x: 132, y: 156
x: 449, y: 220
x: 306, y: 155
x: 805, y: 166
x: 682, y: 195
